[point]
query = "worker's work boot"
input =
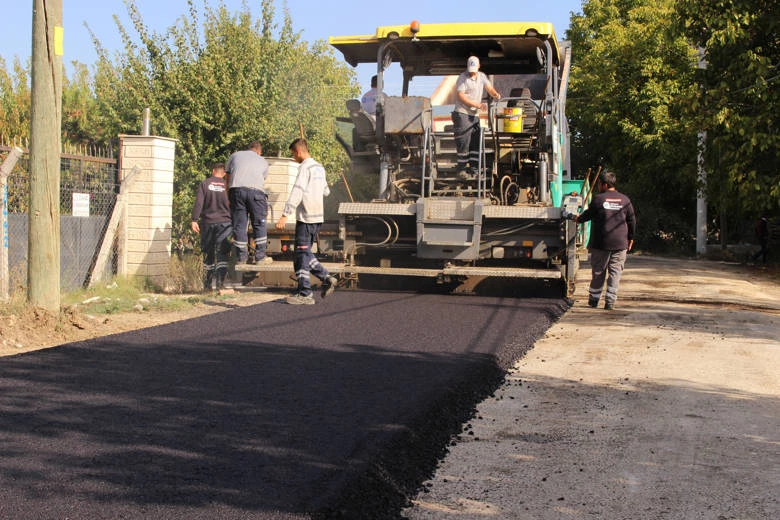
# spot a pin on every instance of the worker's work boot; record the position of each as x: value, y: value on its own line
x: 328, y: 286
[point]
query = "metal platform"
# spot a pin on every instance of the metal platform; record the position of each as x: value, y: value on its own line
x: 518, y: 211
x: 340, y: 268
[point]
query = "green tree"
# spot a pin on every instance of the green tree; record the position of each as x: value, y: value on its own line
x: 630, y: 77
x: 738, y: 101
x: 14, y: 101
x: 78, y: 106
x: 215, y: 89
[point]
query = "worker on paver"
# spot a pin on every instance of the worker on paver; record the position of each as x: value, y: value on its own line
x: 465, y: 117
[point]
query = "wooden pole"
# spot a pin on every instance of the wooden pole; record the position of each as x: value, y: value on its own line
x: 592, y: 186
x: 43, y: 267
x: 5, y: 171
x: 585, y: 185
x: 595, y: 180
x: 118, y: 215
x: 346, y: 185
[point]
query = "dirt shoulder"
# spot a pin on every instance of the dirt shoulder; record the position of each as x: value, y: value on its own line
x: 667, y: 407
x: 34, y: 329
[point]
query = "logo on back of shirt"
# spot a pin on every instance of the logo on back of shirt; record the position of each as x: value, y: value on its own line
x: 216, y: 187
x: 612, y: 204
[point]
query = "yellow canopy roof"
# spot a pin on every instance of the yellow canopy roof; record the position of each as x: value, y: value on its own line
x: 442, y: 48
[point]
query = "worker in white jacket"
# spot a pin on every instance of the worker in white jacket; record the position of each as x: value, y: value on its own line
x: 307, y: 201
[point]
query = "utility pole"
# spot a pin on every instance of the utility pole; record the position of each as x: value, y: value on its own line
x: 701, y: 197
x: 701, y: 190
x: 43, y: 251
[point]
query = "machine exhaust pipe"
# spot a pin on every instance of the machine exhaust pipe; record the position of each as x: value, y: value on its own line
x: 544, y: 193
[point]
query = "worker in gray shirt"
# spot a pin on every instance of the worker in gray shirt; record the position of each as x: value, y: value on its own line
x: 465, y: 118
x: 248, y: 170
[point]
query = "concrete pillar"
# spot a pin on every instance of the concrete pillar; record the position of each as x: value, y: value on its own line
x: 281, y: 177
x: 145, y: 234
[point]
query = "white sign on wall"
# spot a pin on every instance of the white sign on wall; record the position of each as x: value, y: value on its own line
x: 81, y: 204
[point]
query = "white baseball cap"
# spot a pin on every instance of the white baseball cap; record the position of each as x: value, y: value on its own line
x: 472, y: 65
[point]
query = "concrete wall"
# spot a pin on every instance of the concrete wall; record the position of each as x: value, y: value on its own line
x: 281, y: 177
x: 146, y: 230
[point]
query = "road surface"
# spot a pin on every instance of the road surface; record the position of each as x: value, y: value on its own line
x: 666, y: 408
x: 273, y: 411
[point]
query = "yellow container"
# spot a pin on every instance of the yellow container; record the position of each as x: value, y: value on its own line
x: 513, y: 120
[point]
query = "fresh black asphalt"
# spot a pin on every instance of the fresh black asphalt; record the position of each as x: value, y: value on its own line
x: 336, y: 410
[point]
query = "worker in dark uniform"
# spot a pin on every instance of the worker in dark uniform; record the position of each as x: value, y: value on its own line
x: 762, y: 235
x: 611, y: 238
x: 211, y: 219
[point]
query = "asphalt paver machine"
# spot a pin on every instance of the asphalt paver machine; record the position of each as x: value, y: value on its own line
x: 507, y: 219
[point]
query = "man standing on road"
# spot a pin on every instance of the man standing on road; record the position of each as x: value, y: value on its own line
x: 211, y: 219
x: 465, y: 118
x: 248, y: 170
x: 306, y: 201
x: 611, y: 237
x: 762, y: 235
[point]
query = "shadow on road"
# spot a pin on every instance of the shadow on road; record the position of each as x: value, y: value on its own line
x: 272, y: 411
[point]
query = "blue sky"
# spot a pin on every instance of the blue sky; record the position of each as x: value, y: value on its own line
x: 315, y: 19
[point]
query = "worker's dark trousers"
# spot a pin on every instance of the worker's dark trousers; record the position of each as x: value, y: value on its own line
x: 305, y: 263
x: 609, y: 265
x: 466, y: 129
x: 764, y: 251
x: 215, y: 245
x: 254, y: 203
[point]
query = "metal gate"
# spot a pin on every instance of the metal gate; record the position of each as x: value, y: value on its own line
x: 88, y: 189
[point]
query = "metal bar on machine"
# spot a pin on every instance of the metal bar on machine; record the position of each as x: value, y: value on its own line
x: 499, y: 272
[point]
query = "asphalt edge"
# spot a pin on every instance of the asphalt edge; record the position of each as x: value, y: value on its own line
x: 386, y: 485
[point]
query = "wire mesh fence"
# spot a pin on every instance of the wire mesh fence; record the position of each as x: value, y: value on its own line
x: 88, y: 190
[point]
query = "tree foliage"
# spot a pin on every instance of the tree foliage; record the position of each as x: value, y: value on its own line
x: 78, y: 107
x: 78, y: 103
x: 630, y: 75
x: 14, y: 101
x: 216, y: 80
x: 739, y: 99
x: 217, y: 84
x: 638, y: 103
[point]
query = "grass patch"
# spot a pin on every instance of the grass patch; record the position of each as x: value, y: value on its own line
x: 135, y: 294
x: 118, y: 296
x: 181, y: 291
x: 185, y: 274
x: 126, y: 295
x: 16, y: 304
